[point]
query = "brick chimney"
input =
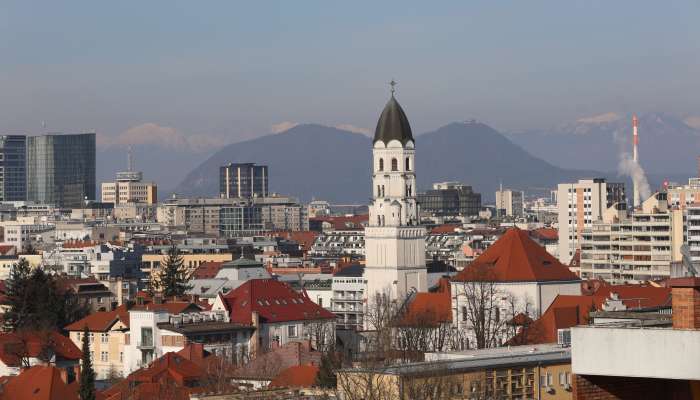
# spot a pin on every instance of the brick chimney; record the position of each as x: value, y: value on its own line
x: 685, y: 300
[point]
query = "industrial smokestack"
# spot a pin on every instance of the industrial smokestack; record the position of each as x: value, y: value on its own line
x: 635, y: 158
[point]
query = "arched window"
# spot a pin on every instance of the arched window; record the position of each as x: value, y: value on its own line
x: 394, y: 164
x: 408, y: 164
x: 381, y: 164
x: 379, y: 191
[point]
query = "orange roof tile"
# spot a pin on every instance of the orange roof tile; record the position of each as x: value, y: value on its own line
x: 515, y: 257
x: 444, y: 228
x: 564, y: 312
x: 429, y: 309
x: 545, y: 233
x: 299, y: 376
x: 32, y: 344
x: 635, y: 296
x: 207, y: 270
x: 101, y: 321
x: 39, y: 383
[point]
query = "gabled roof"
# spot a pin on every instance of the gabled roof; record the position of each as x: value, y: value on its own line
x: 101, y: 321
x: 564, y: 312
x: 299, y: 376
x: 515, y: 257
x: 445, y: 228
x: 354, y: 270
x: 545, y: 234
x: 175, y: 307
x: 14, y: 345
x: 39, y: 383
x: 274, y: 301
x: 207, y: 270
x: 429, y: 309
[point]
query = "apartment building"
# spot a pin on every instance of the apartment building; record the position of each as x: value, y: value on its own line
x: 580, y: 204
x: 682, y: 196
x: 107, y: 332
x: 348, y: 288
x: 633, y: 247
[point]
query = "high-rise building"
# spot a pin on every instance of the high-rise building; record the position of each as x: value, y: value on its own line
x: 61, y: 169
x: 450, y: 199
x: 580, y: 204
x: 509, y: 203
x: 243, y: 180
x: 129, y: 188
x: 13, y: 168
x: 394, y: 240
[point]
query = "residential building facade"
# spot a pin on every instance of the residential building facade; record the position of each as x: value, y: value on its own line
x: 580, y: 204
x: 509, y: 203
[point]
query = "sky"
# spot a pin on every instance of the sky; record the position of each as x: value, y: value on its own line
x: 229, y: 70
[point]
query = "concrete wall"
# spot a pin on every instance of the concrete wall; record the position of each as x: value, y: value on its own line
x: 632, y: 352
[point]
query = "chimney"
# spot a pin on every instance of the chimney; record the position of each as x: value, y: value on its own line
x: 685, y: 300
x: 635, y: 156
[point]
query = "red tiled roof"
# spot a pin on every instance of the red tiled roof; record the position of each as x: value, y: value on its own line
x: 13, y: 345
x: 445, y: 228
x: 344, y: 222
x: 635, y: 296
x: 39, y: 383
x: 564, y: 312
x: 101, y: 321
x: 171, y: 371
x: 429, y: 309
x: 5, y: 249
x: 207, y: 270
x: 545, y: 233
x: 299, y: 376
x: 79, y: 244
x: 274, y: 301
x: 515, y: 257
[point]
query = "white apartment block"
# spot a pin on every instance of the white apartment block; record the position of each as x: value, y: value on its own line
x: 682, y: 196
x: 633, y: 247
x: 692, y: 232
x: 579, y: 205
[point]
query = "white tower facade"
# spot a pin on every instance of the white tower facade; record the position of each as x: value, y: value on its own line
x: 394, y: 240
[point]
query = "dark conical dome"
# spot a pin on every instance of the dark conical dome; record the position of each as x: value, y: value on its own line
x: 393, y: 124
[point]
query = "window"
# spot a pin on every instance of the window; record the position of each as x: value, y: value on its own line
x: 394, y: 165
x: 464, y: 313
x: 381, y: 164
x: 408, y: 164
x: 104, y: 356
x: 121, y: 356
x: 550, y: 379
x: 104, y: 338
x: 292, y: 331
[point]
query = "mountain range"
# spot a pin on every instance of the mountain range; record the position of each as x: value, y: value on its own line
x: 668, y: 145
x: 314, y: 161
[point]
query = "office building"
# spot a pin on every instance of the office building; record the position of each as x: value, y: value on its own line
x: 509, y: 203
x: 579, y: 205
x: 243, y: 180
x: 450, y: 199
x: 13, y: 168
x: 61, y: 169
x: 129, y: 188
x: 635, y: 247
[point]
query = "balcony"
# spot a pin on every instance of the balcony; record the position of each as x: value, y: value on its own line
x: 145, y: 345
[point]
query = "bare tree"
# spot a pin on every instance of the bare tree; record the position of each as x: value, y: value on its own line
x: 481, y: 310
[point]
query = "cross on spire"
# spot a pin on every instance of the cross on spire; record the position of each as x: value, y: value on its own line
x: 393, y: 87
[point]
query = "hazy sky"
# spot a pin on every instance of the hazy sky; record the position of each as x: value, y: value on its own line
x: 235, y: 69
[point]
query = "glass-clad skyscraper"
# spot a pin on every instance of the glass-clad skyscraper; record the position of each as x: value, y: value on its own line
x: 61, y: 169
x: 13, y: 168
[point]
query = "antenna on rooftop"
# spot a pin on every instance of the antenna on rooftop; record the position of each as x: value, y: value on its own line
x: 129, y: 160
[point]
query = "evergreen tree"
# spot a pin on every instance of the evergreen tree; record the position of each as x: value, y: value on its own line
x: 172, y: 279
x: 18, y: 296
x: 37, y: 302
x: 87, y: 374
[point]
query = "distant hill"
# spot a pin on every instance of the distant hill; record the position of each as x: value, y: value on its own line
x: 668, y: 147
x: 315, y: 161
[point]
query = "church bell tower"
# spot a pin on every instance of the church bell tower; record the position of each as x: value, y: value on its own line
x: 394, y: 240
